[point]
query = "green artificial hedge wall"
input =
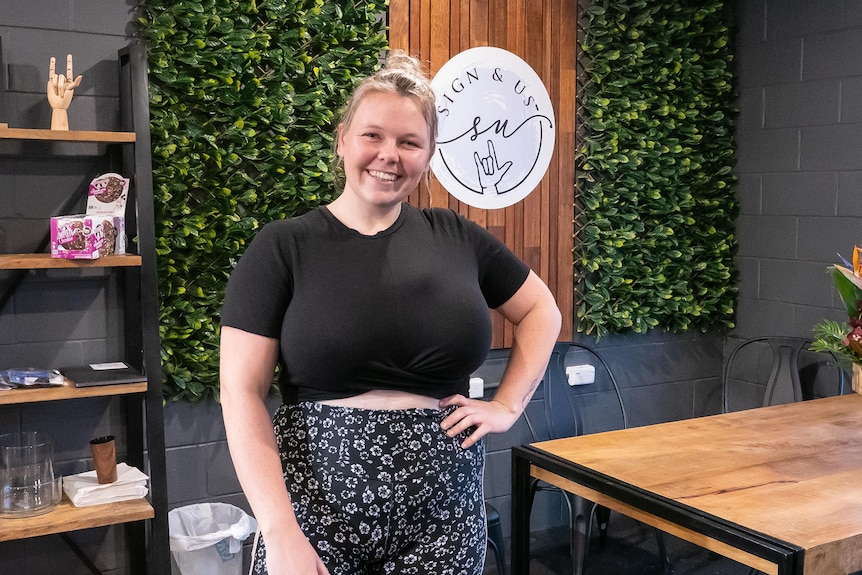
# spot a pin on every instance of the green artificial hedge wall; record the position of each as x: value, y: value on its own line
x: 243, y: 99
x: 656, y: 201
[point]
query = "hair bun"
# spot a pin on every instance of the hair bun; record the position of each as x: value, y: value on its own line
x: 401, y: 60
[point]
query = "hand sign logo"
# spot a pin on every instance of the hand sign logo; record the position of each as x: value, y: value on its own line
x: 496, y: 128
x: 489, y: 170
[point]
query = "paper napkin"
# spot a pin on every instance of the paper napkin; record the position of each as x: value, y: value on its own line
x: 84, y: 489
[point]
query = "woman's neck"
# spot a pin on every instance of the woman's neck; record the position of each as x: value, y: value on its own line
x: 365, y: 220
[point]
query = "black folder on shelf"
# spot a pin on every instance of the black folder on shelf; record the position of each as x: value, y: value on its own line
x: 112, y: 373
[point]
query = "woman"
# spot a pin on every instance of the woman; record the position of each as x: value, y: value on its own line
x: 375, y: 313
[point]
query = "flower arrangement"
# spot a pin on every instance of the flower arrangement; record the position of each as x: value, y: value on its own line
x: 845, y: 339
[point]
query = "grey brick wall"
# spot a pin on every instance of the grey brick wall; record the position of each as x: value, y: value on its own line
x: 52, y: 320
x: 661, y: 377
x: 799, y: 159
x: 800, y: 188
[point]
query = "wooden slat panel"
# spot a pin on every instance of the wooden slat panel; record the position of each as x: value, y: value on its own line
x: 535, y: 204
x: 565, y: 164
x: 399, y: 24
x: 495, y: 220
x: 478, y: 23
x: 516, y: 29
x: 498, y: 36
x: 550, y: 214
x: 543, y: 33
x: 480, y: 34
x: 464, y: 40
x: 440, y: 33
x: 425, y: 28
x: 439, y: 16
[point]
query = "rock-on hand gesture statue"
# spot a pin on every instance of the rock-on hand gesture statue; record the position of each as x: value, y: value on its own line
x: 60, y: 91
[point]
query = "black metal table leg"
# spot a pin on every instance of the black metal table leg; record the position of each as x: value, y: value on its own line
x: 521, y: 508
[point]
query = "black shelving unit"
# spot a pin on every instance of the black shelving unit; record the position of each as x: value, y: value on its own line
x: 147, y: 519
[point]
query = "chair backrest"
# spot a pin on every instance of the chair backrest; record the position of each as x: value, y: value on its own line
x: 581, y: 409
x: 764, y: 371
x: 532, y: 426
x: 556, y: 408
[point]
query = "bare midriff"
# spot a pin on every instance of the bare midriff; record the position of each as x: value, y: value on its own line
x: 386, y: 399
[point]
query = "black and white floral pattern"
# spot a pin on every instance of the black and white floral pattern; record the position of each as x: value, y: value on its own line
x: 382, y: 492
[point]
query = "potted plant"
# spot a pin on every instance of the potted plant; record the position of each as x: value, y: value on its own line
x: 845, y: 339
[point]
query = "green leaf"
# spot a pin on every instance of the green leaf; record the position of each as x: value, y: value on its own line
x: 849, y: 293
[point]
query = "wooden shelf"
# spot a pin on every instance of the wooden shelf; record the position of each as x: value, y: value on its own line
x: 66, y: 135
x: 67, y: 517
x: 45, y: 261
x: 14, y: 396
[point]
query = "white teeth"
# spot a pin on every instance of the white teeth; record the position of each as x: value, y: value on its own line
x: 383, y: 176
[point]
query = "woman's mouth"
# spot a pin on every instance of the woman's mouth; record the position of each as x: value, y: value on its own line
x: 385, y: 176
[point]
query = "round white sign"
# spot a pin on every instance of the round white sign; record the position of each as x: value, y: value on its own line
x: 496, y: 128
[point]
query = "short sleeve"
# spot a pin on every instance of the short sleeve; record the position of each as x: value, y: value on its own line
x: 501, y: 272
x: 261, y: 286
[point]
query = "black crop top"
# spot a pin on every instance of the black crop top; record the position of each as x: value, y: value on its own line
x: 406, y: 309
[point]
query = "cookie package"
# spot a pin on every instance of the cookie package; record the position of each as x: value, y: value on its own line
x: 87, y: 237
x: 107, y: 195
x: 101, y: 230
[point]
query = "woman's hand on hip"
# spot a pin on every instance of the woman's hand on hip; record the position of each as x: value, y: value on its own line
x: 477, y: 417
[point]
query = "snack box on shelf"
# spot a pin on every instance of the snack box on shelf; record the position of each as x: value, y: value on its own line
x: 88, y: 237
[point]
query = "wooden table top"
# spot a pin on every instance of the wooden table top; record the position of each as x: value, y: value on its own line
x: 792, y: 472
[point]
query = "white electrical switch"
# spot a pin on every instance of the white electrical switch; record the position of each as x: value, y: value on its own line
x: 477, y: 387
x: 581, y: 374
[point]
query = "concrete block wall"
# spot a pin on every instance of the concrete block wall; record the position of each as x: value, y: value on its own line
x: 799, y: 159
x: 661, y: 378
x: 799, y: 165
x: 53, y: 320
x: 668, y: 377
x: 42, y: 323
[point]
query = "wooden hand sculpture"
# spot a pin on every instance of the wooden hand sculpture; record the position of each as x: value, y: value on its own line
x: 60, y: 91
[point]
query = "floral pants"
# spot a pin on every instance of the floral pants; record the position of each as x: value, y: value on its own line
x: 382, y: 492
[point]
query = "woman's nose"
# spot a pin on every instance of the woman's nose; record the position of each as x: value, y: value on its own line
x: 388, y: 152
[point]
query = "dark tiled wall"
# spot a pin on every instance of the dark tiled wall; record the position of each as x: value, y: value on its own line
x: 661, y: 378
x: 799, y: 159
x: 800, y: 168
x: 52, y: 320
x: 665, y: 377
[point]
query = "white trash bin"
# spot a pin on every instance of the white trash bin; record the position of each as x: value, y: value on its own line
x: 207, y: 538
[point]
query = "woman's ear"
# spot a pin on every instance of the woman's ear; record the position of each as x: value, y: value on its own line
x: 338, y: 131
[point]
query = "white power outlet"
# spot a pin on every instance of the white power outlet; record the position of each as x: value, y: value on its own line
x: 477, y: 387
x: 581, y: 374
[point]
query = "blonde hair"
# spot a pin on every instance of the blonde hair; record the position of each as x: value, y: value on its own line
x: 402, y: 75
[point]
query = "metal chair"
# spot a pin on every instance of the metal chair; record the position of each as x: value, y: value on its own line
x: 575, y: 410
x: 773, y: 370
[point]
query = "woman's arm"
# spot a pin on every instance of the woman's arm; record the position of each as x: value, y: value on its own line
x: 537, y: 322
x: 247, y: 367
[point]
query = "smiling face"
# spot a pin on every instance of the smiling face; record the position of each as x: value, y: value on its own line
x: 386, y: 149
